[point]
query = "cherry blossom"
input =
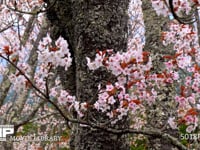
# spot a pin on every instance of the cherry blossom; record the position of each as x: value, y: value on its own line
x: 56, y: 56
x: 172, y: 123
x: 135, y: 88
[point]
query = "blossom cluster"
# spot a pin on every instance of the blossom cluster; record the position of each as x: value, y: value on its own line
x: 57, y: 55
x: 185, y: 62
x: 24, y: 63
x: 128, y: 94
x: 132, y: 69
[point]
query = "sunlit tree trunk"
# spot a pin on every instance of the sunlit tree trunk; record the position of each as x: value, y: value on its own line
x: 88, y: 26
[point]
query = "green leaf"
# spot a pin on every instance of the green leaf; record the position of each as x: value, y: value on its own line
x: 182, y: 128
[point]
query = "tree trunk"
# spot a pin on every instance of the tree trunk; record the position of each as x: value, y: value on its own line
x: 89, y: 25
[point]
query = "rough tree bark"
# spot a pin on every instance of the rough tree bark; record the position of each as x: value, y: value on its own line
x: 89, y: 25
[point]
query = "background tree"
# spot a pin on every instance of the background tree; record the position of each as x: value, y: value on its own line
x: 165, y: 106
x: 18, y: 101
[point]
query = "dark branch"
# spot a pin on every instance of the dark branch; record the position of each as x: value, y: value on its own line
x: 189, y: 19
